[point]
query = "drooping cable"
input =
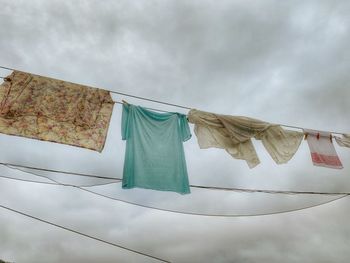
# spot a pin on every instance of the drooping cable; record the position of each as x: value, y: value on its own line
x: 82, y: 234
x: 60, y: 171
x: 234, y: 189
x: 181, y: 212
x: 48, y: 178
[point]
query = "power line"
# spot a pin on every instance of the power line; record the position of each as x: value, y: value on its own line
x: 173, y: 104
x: 176, y: 211
x: 235, y: 189
x: 82, y: 234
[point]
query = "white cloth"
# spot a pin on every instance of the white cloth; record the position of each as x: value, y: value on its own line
x: 343, y: 141
x: 322, y: 149
x: 234, y: 133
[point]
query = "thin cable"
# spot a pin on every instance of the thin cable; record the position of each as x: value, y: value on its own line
x: 181, y: 212
x: 121, y: 103
x: 267, y: 191
x: 25, y: 180
x: 152, y: 100
x: 82, y: 234
x: 132, y: 96
x: 212, y: 215
x: 48, y: 178
x: 6, y: 68
x: 300, y: 128
x: 59, y: 171
x: 41, y: 182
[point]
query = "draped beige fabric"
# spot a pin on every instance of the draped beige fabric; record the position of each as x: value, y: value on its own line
x: 53, y: 110
x: 234, y: 133
x: 343, y: 141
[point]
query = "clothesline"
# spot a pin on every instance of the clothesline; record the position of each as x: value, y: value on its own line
x: 177, y: 211
x: 178, y: 106
x: 235, y: 189
x: 132, y: 96
x: 121, y: 103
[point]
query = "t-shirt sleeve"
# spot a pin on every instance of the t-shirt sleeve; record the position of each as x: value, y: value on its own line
x: 184, y: 128
x: 125, y: 122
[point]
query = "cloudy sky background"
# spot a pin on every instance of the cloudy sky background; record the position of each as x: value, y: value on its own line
x: 279, y: 61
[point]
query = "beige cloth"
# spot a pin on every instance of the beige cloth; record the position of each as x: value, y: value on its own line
x: 234, y: 133
x: 343, y: 141
x: 53, y: 110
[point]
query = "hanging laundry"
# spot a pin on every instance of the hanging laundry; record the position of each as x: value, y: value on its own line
x: 343, y: 141
x: 234, y: 133
x: 322, y: 149
x: 154, y: 156
x: 48, y: 109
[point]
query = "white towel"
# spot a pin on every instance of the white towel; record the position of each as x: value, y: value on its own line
x: 322, y: 149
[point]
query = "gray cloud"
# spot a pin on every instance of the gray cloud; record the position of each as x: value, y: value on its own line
x: 280, y: 61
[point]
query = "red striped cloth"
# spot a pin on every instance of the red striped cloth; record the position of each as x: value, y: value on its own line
x: 322, y: 149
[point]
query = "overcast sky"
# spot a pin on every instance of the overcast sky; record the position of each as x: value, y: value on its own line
x: 280, y: 61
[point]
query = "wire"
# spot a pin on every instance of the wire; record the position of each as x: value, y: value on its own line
x: 176, y: 211
x: 121, y: 103
x: 59, y: 171
x: 152, y: 100
x: 6, y: 68
x: 26, y: 180
x: 235, y: 189
x: 132, y: 96
x: 174, y: 105
x: 82, y: 234
x: 48, y: 178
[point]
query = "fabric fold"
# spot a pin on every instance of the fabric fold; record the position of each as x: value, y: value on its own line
x: 322, y: 149
x: 48, y: 109
x: 234, y: 134
x: 343, y: 141
x: 154, y: 156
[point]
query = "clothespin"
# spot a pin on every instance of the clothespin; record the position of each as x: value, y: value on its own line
x: 7, y: 79
x: 124, y: 101
x: 318, y: 136
x: 330, y: 137
x: 306, y: 134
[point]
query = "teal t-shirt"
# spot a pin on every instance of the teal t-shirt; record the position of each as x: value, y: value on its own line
x: 154, y: 156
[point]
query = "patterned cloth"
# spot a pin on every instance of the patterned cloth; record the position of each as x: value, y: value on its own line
x: 234, y: 133
x: 53, y: 110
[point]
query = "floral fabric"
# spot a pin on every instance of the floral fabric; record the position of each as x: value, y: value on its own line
x: 53, y: 110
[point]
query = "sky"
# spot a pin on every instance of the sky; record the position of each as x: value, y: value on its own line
x: 283, y: 62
